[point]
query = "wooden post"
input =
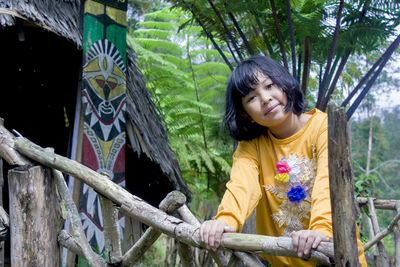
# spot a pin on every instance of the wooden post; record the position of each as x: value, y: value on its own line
x: 1, y: 204
x: 383, y: 258
x: 1, y: 201
x: 341, y: 189
x: 34, y: 221
x: 112, y: 236
x: 397, y: 239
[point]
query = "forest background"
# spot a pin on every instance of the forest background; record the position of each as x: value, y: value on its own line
x: 186, y: 54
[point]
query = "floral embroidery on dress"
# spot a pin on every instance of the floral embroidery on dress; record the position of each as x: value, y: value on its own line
x: 295, y: 179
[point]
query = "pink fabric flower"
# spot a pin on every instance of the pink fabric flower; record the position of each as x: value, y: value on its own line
x: 283, y: 167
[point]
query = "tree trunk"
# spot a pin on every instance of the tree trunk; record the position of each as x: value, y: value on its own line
x: 341, y: 189
x: 34, y: 221
x: 321, y: 91
x: 292, y: 43
x: 306, y: 66
x: 279, y: 34
x: 371, y: 126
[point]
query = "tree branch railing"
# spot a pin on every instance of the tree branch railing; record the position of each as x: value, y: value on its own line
x: 144, y: 212
x: 185, y: 228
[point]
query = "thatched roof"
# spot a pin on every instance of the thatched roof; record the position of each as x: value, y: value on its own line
x: 144, y: 128
x: 62, y: 17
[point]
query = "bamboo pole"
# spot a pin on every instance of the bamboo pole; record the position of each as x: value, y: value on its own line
x: 33, y: 218
x: 341, y: 189
x: 144, y: 212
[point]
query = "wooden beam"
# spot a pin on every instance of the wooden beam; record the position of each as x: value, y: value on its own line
x: 384, y: 204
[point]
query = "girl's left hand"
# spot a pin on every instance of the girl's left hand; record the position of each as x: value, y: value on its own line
x: 304, y: 240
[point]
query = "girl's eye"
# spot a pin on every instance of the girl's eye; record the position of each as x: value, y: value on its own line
x: 269, y: 86
x: 251, y: 98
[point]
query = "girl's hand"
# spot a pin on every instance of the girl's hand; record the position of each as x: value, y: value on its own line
x: 304, y: 240
x: 211, y: 232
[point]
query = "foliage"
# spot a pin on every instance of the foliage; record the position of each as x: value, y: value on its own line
x: 170, y: 44
x: 155, y: 255
x: 191, y: 103
x: 365, y: 27
x: 382, y: 180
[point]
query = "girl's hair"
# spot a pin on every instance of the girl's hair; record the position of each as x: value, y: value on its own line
x: 243, y: 80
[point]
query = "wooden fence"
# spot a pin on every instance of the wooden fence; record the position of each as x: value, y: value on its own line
x: 40, y: 202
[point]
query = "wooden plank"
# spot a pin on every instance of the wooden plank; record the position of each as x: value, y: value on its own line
x: 341, y: 189
x: 103, y: 105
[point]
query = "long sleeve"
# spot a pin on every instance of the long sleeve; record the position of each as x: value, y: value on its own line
x: 321, y: 217
x: 243, y: 189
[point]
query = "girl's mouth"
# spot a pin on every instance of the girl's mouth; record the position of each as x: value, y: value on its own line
x: 271, y: 109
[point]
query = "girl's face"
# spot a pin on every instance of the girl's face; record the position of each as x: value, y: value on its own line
x: 266, y: 103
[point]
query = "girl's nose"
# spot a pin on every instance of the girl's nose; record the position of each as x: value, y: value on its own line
x: 266, y: 98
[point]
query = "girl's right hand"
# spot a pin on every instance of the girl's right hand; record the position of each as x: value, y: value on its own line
x: 211, y: 232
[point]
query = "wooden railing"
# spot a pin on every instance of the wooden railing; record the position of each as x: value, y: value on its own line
x: 41, y: 202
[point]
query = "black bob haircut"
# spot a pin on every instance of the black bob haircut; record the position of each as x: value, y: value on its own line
x: 243, y: 80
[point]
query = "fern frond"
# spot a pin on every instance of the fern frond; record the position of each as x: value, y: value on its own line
x: 159, y: 46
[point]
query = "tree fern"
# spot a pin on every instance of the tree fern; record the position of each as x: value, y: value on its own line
x: 187, y: 81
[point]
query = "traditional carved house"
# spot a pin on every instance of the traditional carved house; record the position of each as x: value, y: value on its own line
x: 48, y: 76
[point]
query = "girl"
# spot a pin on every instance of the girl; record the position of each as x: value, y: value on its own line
x: 280, y: 165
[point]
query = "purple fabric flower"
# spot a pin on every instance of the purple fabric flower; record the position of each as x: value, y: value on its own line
x: 296, y: 194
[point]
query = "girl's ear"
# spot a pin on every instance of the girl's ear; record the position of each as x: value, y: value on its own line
x: 245, y: 116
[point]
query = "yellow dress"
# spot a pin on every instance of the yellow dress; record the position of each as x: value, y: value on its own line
x: 287, y: 180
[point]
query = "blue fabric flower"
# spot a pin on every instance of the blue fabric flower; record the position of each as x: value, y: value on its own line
x: 296, y: 194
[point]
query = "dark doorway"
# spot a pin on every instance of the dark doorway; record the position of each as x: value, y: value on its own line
x: 39, y: 74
